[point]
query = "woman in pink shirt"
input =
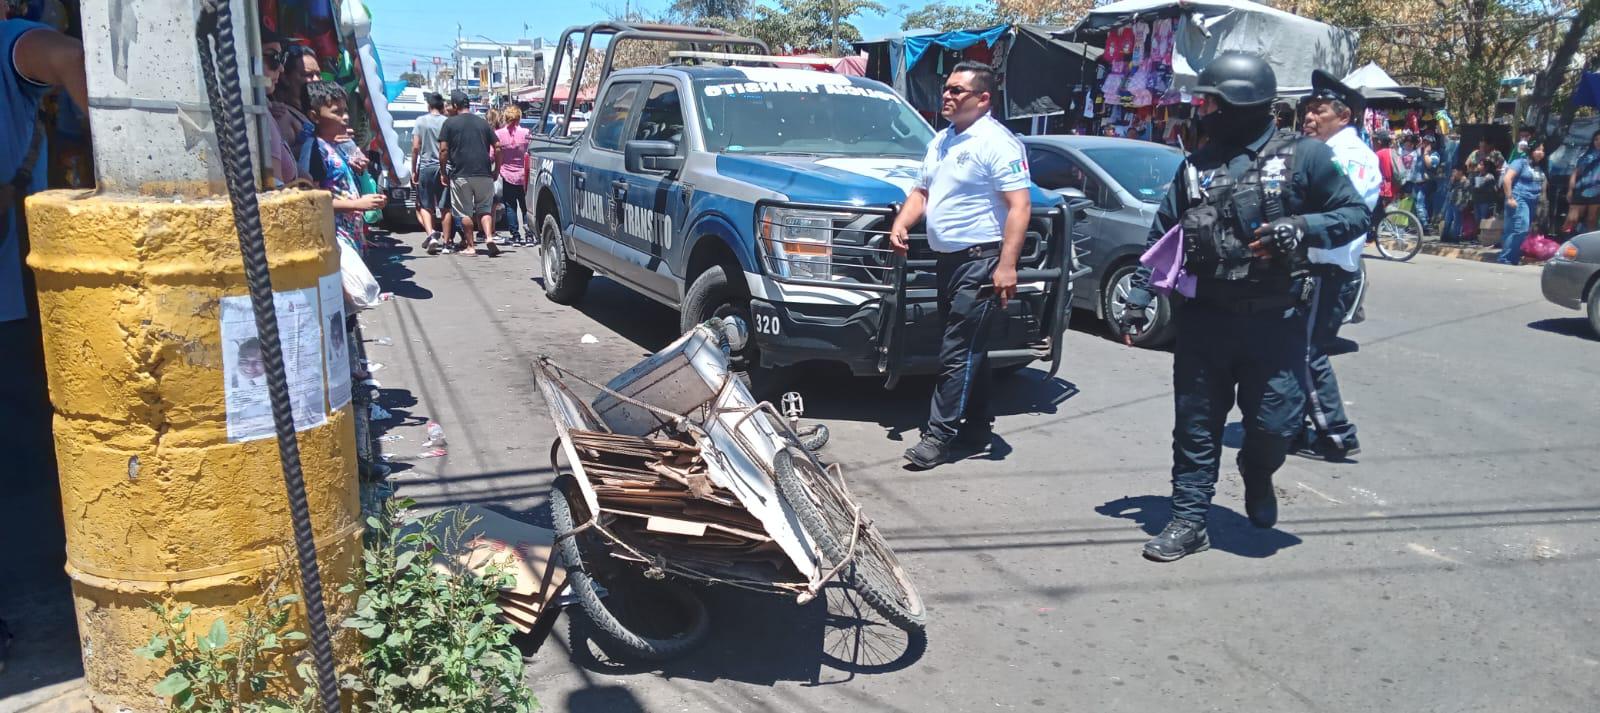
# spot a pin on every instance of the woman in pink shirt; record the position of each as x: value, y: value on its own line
x: 513, y: 156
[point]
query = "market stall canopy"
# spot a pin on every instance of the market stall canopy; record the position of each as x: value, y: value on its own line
x: 1292, y: 44
x: 564, y: 91
x: 529, y: 93
x: 886, y: 57
x: 1588, y: 92
x: 852, y: 65
x: 1043, y: 72
x: 1378, y: 88
x: 915, y: 63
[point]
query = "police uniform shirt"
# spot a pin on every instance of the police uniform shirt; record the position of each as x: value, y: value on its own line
x: 1359, y: 164
x: 964, y: 174
x: 1334, y: 213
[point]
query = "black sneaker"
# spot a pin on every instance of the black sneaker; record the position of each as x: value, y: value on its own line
x: 928, y: 453
x: 1336, y: 449
x: 973, y: 436
x: 1180, y: 539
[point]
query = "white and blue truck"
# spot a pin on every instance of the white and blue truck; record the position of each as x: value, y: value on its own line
x: 764, y: 195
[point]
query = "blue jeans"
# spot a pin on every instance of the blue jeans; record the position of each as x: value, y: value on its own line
x: 1451, y: 230
x: 1438, y: 198
x: 1419, y: 202
x: 1517, y: 225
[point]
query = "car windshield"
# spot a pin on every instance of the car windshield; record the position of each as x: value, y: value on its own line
x: 1144, y: 170
x: 825, y: 118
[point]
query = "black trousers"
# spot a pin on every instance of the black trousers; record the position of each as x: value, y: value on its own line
x: 1325, y: 415
x: 1256, y: 358
x: 966, y: 306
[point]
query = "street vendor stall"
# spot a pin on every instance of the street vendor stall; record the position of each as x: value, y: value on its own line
x: 916, y: 64
x: 1154, y: 51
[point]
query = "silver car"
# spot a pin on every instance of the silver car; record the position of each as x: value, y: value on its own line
x: 1126, y: 180
x: 1572, y: 278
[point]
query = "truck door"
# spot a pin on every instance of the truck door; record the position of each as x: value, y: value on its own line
x: 596, y: 167
x: 646, y: 236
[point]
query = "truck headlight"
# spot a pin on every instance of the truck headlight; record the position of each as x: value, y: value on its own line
x: 798, y: 243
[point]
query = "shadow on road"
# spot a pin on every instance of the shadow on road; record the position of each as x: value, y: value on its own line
x: 1230, y: 532
x: 832, y: 392
x: 387, y: 258
x: 1566, y: 326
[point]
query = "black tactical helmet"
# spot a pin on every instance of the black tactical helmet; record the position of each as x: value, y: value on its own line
x: 1239, y: 78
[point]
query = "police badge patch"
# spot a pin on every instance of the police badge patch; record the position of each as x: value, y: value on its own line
x: 1273, y: 170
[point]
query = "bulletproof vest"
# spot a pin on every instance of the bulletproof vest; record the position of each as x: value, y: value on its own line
x: 1224, y: 213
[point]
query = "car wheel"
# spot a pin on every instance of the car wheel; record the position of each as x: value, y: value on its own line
x: 1114, y: 301
x: 564, y: 280
x: 713, y: 294
x: 1594, y: 308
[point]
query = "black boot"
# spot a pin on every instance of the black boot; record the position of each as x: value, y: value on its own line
x: 928, y: 453
x: 1180, y: 539
x: 1260, y: 498
x: 1338, y: 448
x: 974, y: 435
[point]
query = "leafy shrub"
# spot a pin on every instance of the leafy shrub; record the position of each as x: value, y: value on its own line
x: 433, y: 642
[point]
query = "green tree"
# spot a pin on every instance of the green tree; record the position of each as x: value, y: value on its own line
x: 811, y: 25
x: 944, y: 17
x: 413, y: 79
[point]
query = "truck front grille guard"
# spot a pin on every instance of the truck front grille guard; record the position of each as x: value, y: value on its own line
x: 871, y: 257
x: 1057, y: 259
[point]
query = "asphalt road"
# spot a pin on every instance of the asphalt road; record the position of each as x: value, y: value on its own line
x: 1453, y: 568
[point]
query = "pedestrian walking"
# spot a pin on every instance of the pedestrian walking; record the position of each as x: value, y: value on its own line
x: 1250, y: 203
x: 1523, y: 183
x: 425, y: 171
x: 466, y: 145
x: 513, y: 157
x: 1583, y: 193
x: 1330, y: 114
x: 973, y: 193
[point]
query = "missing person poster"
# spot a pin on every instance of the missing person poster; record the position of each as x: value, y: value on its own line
x: 336, y: 347
x: 244, y: 371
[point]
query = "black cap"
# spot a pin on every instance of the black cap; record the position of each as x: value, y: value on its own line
x: 1239, y: 78
x: 1326, y: 86
x: 459, y: 98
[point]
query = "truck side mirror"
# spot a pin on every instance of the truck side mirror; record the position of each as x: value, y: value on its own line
x: 640, y: 156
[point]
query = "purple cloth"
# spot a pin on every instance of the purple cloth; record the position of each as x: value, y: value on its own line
x: 1165, y: 260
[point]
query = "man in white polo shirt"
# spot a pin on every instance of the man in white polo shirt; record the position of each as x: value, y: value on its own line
x: 973, y: 191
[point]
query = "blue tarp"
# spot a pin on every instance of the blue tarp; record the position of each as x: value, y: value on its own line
x: 954, y: 40
x: 1588, y: 92
x: 392, y: 88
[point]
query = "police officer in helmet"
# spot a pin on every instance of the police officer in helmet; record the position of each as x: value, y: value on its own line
x: 1251, y: 201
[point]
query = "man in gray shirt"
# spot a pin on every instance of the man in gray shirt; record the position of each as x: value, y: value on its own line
x: 425, y: 169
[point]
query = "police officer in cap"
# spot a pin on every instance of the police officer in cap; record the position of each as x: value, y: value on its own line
x: 1251, y: 202
x: 1329, y: 112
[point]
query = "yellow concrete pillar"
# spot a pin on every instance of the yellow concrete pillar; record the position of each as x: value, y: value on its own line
x: 159, y: 504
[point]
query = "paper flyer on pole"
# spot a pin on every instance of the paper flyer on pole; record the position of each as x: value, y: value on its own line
x: 337, y: 342
x: 244, y: 372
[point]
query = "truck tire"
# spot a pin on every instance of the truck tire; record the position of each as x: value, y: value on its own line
x: 641, y: 636
x: 1162, y: 329
x: 714, y: 294
x: 564, y: 280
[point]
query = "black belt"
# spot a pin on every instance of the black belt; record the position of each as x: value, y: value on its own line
x: 975, y: 252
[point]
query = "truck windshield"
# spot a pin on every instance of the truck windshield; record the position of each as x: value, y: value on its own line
x: 824, y: 118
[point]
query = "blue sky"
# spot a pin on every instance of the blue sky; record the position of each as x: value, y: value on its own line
x: 422, y: 29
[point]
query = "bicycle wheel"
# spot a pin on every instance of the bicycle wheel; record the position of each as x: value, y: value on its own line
x: 643, y: 619
x: 824, y: 509
x: 1399, y: 235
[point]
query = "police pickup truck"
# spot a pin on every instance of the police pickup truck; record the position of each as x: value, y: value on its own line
x: 765, y: 196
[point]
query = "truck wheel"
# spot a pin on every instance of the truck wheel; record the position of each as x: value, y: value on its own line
x: 713, y: 294
x: 564, y: 280
x: 1113, y: 301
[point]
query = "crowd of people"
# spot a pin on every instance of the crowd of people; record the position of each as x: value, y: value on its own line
x: 471, y: 174
x: 1456, y: 199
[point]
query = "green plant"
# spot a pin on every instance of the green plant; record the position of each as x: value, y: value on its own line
x: 434, y: 644
x: 222, y: 671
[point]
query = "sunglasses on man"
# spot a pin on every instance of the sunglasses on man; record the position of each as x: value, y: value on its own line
x: 956, y: 90
x: 273, y: 59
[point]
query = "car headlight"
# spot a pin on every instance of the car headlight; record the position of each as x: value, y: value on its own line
x: 798, y: 243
